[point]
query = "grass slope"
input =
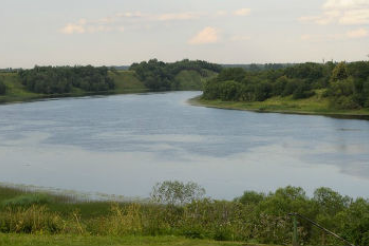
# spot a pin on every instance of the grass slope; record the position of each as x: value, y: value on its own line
x: 126, y: 81
x: 192, y: 80
x: 82, y: 240
x: 313, y: 105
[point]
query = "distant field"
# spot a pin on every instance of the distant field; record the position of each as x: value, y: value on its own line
x: 313, y: 105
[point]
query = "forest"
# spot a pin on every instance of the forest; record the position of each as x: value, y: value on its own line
x: 345, y: 84
x: 60, y: 80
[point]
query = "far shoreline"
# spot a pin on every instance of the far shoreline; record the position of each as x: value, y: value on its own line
x: 253, y: 107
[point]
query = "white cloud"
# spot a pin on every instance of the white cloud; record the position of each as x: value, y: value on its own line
x: 355, y: 17
x: 358, y: 33
x: 142, y: 20
x: 242, y: 12
x: 344, y: 12
x: 72, y: 28
x: 206, y: 36
x: 84, y: 26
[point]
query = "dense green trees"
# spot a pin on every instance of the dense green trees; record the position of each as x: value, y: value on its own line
x: 58, y: 80
x: 346, y: 84
x: 158, y: 75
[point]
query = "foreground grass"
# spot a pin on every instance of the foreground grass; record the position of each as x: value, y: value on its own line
x: 81, y: 240
x: 313, y: 105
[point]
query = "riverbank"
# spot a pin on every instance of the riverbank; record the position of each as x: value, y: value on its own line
x: 284, y: 105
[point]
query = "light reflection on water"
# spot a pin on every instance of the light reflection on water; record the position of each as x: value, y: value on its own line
x: 125, y: 144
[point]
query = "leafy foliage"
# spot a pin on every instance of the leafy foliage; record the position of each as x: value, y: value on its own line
x: 346, y: 84
x: 58, y: 80
x: 176, y: 193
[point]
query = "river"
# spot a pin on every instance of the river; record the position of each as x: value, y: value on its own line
x: 124, y: 144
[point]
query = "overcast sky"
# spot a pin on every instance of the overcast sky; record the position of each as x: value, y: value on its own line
x: 119, y: 32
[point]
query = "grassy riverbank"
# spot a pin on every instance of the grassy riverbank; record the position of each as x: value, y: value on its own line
x: 315, y: 105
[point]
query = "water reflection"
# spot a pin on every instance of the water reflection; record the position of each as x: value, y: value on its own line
x: 124, y: 144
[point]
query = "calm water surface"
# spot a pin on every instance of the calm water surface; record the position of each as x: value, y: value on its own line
x: 125, y: 144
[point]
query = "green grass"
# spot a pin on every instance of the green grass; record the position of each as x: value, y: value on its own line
x: 192, y: 80
x: 126, y: 81
x: 313, y: 105
x: 81, y: 240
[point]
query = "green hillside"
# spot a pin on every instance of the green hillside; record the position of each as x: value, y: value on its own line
x: 127, y: 81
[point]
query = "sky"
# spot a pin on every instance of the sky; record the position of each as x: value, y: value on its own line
x: 120, y: 32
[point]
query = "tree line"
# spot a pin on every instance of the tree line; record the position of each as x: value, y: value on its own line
x: 59, y: 80
x: 158, y: 75
x: 346, y: 84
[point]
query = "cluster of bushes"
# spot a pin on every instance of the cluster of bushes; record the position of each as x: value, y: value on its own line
x: 346, y: 84
x: 182, y: 209
x: 58, y: 80
x: 158, y: 75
